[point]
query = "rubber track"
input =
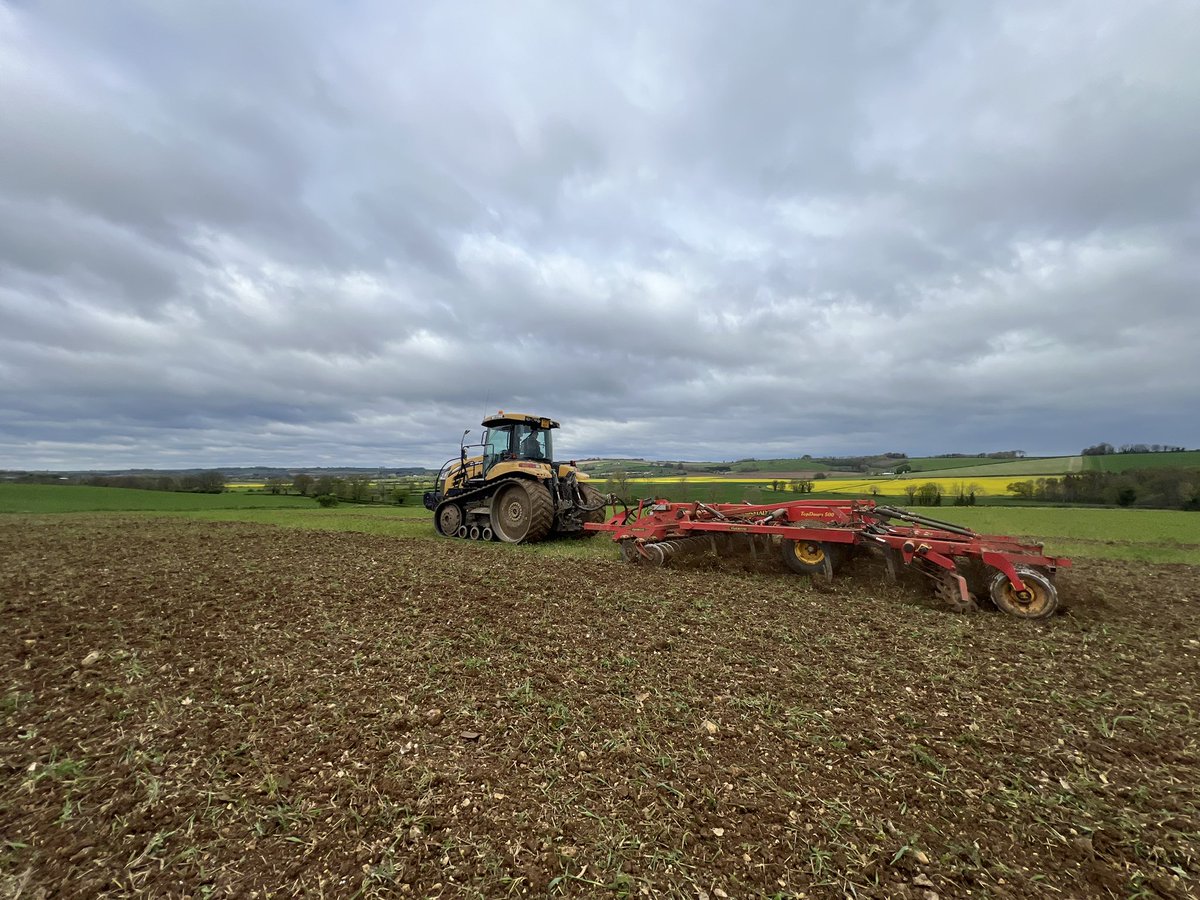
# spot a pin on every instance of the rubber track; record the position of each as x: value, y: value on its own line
x: 486, y: 491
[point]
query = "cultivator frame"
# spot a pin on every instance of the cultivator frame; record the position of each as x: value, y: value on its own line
x: 817, y: 536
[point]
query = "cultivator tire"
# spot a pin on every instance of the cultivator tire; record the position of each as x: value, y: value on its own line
x: 449, y: 519
x: 522, y: 512
x: 1039, y: 600
x: 809, y: 557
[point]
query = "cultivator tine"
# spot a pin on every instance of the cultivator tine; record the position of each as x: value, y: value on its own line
x: 891, y: 559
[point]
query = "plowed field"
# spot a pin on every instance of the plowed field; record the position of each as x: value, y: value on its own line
x: 204, y: 709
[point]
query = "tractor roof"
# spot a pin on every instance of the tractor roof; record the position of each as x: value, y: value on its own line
x: 503, y: 418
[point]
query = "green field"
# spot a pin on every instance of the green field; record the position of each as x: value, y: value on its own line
x: 1123, y: 462
x: 1053, y: 465
x: 1152, y: 535
x: 1138, y: 534
x: 940, y: 463
x: 791, y: 464
x: 55, y: 498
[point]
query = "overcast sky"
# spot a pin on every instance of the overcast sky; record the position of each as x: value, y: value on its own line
x: 340, y: 233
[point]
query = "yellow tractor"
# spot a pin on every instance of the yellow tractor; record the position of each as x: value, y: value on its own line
x: 513, y: 491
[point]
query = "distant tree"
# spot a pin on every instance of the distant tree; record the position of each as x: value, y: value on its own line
x: 618, y: 483
x: 910, y: 491
x: 1126, y: 496
x: 965, y: 496
x: 207, y: 482
x: 303, y: 483
x: 359, y: 488
x: 276, y: 485
x: 1023, y: 489
x: 902, y: 468
x: 929, y: 494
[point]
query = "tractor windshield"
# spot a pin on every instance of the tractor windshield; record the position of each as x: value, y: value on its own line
x: 533, y: 443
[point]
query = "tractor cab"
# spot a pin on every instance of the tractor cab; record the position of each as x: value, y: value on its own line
x: 514, y: 436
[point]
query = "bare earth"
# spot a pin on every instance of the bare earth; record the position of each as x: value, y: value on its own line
x: 192, y: 709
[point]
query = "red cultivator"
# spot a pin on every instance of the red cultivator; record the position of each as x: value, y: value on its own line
x: 817, y: 536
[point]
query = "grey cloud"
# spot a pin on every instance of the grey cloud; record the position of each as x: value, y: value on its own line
x: 230, y: 234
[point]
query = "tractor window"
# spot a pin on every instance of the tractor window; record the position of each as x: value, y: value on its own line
x: 499, y: 443
x: 533, y: 443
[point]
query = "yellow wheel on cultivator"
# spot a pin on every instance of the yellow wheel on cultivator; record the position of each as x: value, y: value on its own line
x: 808, y: 557
x: 1038, y: 600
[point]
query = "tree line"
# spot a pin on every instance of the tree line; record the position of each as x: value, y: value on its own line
x: 1153, y: 488
x: 930, y: 494
x: 328, y: 490
x: 207, y: 482
x: 1106, y: 449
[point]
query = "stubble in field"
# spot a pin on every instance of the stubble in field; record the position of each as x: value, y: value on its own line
x: 197, y: 708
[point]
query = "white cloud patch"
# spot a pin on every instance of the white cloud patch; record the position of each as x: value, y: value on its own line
x: 234, y: 236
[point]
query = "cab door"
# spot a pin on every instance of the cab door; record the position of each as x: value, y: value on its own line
x: 498, y: 446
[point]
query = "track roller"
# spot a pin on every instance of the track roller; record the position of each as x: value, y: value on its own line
x: 462, y: 531
x: 473, y: 533
x: 448, y: 519
x: 485, y: 533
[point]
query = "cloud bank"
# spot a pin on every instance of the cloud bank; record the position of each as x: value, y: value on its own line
x: 316, y: 234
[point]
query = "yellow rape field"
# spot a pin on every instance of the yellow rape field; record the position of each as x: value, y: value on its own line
x: 996, y: 486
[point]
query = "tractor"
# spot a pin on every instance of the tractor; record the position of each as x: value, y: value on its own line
x: 513, y: 491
